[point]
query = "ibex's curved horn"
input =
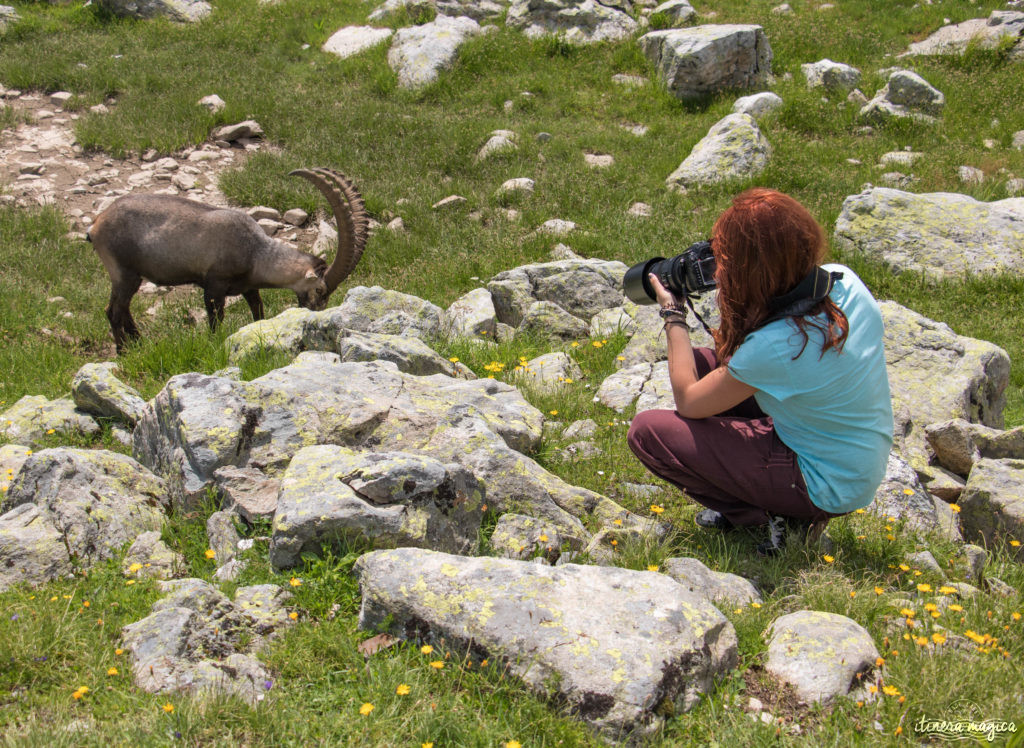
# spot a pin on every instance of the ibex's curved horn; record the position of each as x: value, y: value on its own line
x: 350, y: 213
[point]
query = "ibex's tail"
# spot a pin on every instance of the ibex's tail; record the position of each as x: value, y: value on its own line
x: 88, y: 237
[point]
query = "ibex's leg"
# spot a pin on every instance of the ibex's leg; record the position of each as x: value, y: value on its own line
x: 213, y: 299
x: 255, y: 303
x: 119, y: 309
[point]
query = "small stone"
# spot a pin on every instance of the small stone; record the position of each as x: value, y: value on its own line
x: 296, y: 217
x: 641, y: 210
x: 61, y: 98
x: 544, y: 137
x: 449, y: 202
x: 971, y: 175
x: 261, y: 212
x: 213, y: 102
x: 598, y: 160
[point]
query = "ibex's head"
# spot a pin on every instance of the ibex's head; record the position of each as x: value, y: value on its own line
x: 312, y: 290
x: 350, y: 213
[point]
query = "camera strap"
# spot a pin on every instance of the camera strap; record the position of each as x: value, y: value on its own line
x: 814, y: 287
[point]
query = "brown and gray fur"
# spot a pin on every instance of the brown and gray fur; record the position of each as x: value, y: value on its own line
x: 172, y: 241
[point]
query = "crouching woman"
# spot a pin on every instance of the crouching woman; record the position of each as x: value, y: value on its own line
x: 788, y: 422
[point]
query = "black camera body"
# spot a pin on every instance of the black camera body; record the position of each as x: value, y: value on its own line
x: 688, y: 274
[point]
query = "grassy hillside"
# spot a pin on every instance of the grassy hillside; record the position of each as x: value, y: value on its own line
x: 407, y: 150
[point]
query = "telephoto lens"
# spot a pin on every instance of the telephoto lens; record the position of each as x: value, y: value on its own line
x: 636, y: 284
x: 687, y: 274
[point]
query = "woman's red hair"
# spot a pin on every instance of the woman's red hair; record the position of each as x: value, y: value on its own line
x: 764, y: 245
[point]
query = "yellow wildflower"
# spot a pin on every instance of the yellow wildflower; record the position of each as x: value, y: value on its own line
x: 956, y: 608
x: 1015, y: 543
x: 924, y: 588
x: 135, y: 567
x: 295, y: 582
x: 908, y: 491
x: 454, y: 359
x: 119, y: 651
x: 168, y: 707
x: 112, y: 671
x: 890, y: 690
x: 403, y: 689
x: 210, y: 553
x: 514, y: 743
x: 654, y: 567
x: 1015, y: 615
x: 657, y: 509
x: 437, y: 664
x: 553, y: 412
x: 293, y: 615
x: 955, y: 508
x: 938, y: 638
x: 879, y: 590
x: 861, y: 511
x: 426, y: 649
x: 947, y: 590
x: 542, y: 538
x: 907, y: 612
x: 366, y: 708
x: 904, y: 567
x: 879, y: 661
x: 828, y: 559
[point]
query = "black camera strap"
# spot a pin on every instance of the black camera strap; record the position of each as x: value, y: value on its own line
x: 815, y: 286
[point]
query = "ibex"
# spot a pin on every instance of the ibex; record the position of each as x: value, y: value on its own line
x: 172, y: 241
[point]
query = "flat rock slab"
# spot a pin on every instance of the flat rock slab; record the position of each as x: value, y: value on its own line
x: 703, y: 60
x: 34, y: 417
x: 352, y: 40
x: 819, y: 654
x: 984, y: 33
x: 576, y: 21
x: 649, y: 648
x: 717, y: 587
x: 938, y: 234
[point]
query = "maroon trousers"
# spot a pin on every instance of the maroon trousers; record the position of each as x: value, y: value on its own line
x: 733, y: 463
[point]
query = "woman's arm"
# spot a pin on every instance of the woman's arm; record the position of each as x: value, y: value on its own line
x: 695, y: 398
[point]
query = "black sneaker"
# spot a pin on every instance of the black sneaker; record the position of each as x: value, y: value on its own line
x: 712, y: 520
x: 782, y: 530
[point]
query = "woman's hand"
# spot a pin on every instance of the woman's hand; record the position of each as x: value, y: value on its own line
x: 662, y: 295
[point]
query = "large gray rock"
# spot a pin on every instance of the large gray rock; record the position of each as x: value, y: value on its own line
x: 733, y: 149
x: 1000, y: 27
x: 520, y: 537
x: 905, y: 95
x: 352, y: 40
x: 98, y: 392
x: 679, y: 11
x: 8, y: 15
x: 704, y: 60
x: 581, y: 287
x: 938, y: 234
x: 198, y: 641
x: 472, y: 315
x: 717, y: 587
x: 331, y: 495
x: 936, y: 375
x: 576, y: 21
x: 959, y: 444
x: 99, y: 501
x: 992, y: 503
x: 379, y: 310
x: 649, y: 649
x: 32, y: 550
x: 419, y: 53
x: 34, y: 417
x: 182, y: 11
x: 546, y: 319
x: 819, y: 654
x: 549, y: 372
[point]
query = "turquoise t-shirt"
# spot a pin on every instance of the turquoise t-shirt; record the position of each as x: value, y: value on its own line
x: 834, y: 410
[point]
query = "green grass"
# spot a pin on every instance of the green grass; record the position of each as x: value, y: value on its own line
x: 419, y: 147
